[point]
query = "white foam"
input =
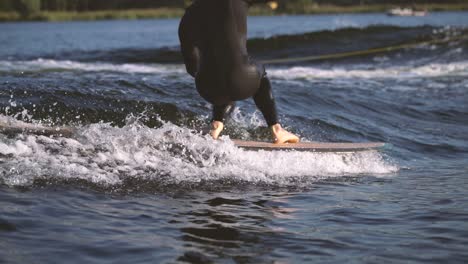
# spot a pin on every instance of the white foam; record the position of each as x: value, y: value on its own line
x: 309, y: 73
x: 368, y: 72
x: 45, y: 64
x: 170, y: 154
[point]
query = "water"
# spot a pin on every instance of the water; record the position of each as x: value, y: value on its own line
x: 139, y: 183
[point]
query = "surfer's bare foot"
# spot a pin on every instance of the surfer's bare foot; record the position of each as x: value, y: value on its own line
x: 216, y: 128
x: 280, y: 135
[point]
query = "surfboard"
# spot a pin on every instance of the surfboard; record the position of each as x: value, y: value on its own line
x: 18, y: 127
x: 13, y: 128
x: 310, y: 146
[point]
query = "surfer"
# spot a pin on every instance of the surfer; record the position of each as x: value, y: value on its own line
x: 213, y: 37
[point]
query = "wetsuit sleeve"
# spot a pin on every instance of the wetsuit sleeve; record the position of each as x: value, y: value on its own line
x: 188, y: 36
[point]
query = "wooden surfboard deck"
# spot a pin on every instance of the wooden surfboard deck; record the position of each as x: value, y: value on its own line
x: 36, y: 129
x: 310, y: 146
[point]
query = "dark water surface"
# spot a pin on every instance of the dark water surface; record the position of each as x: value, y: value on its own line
x: 138, y: 184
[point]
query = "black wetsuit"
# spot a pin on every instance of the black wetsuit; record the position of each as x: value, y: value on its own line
x: 213, y: 36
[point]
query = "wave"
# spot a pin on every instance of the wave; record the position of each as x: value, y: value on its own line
x: 58, y: 65
x: 365, y: 71
x: 108, y: 156
x: 361, y: 39
x: 370, y: 72
x: 120, y: 55
x: 336, y: 41
x: 284, y: 46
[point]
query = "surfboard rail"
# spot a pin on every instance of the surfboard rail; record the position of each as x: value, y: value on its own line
x: 310, y: 146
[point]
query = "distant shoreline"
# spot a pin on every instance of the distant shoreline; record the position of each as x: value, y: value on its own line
x: 159, y: 13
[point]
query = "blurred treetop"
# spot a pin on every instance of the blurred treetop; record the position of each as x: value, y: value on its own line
x: 32, y: 6
x: 27, y: 7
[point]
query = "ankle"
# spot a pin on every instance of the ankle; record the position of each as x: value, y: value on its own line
x: 217, y: 125
x: 276, y: 128
x: 216, y: 128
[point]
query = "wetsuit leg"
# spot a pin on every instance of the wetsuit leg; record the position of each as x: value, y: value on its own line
x: 265, y: 101
x: 221, y: 111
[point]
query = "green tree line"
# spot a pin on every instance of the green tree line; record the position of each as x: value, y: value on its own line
x: 32, y: 6
x: 28, y: 7
x: 95, y: 5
